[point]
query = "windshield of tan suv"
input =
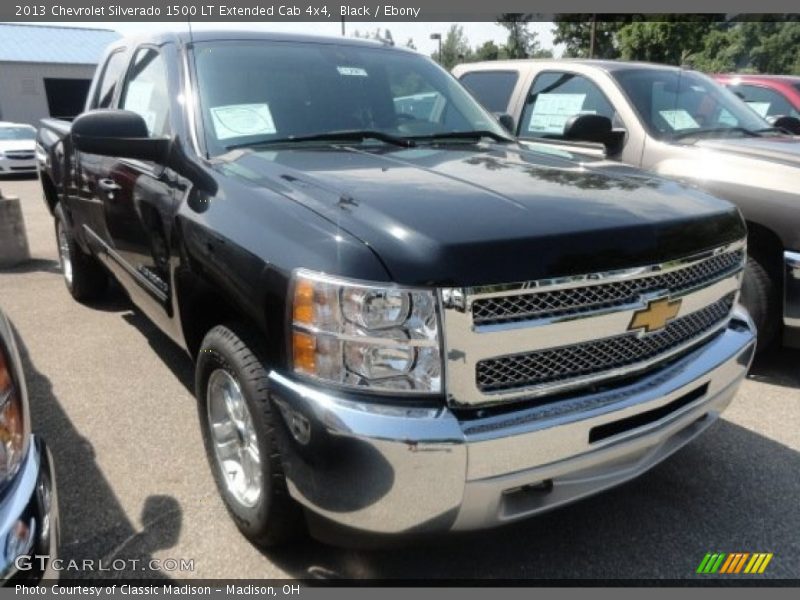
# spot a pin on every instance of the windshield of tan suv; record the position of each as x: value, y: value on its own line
x: 676, y: 104
x: 17, y: 133
x: 265, y: 92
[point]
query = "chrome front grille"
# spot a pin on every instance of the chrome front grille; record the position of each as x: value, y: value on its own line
x: 20, y: 154
x: 569, y: 362
x: 516, y: 342
x: 576, y: 300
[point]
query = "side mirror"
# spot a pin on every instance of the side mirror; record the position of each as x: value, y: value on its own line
x: 118, y: 133
x: 593, y: 128
x: 507, y: 121
x: 789, y: 124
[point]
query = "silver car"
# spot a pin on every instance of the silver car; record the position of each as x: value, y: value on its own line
x: 17, y: 148
x: 677, y: 123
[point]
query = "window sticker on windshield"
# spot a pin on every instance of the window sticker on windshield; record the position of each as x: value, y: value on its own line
x: 679, y: 119
x: 352, y: 71
x: 240, y: 120
x: 762, y: 108
x: 552, y: 111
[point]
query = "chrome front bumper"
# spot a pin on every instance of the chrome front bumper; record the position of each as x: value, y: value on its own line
x: 8, y: 167
x: 390, y: 469
x: 29, y: 521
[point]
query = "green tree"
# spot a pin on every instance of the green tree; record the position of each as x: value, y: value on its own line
x: 777, y: 49
x: 455, y: 48
x: 575, y: 33
x: 385, y: 35
x: 542, y: 53
x: 522, y: 42
x: 670, y: 41
x: 487, y: 51
x: 750, y: 46
x: 410, y: 44
x: 722, y: 51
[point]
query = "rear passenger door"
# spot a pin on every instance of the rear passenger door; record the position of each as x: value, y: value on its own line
x: 493, y: 89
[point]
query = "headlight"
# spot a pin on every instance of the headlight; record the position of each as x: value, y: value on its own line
x: 363, y: 335
x: 12, y: 421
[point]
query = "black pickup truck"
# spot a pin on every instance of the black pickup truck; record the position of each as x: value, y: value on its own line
x: 402, y: 320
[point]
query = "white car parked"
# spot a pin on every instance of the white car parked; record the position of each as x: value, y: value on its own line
x: 17, y: 148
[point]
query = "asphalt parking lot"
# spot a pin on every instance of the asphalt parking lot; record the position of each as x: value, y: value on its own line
x: 112, y: 397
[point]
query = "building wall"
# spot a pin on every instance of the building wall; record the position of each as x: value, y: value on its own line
x: 22, y: 93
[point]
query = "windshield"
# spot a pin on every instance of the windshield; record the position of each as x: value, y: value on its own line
x: 17, y: 133
x: 261, y: 92
x: 679, y: 104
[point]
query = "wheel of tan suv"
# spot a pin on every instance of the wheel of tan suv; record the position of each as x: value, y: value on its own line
x: 761, y: 298
x: 84, y: 276
x: 238, y: 432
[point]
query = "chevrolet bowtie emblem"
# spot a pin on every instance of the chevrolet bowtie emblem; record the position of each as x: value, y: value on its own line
x: 656, y: 316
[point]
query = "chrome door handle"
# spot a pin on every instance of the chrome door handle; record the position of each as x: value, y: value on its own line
x: 109, y: 185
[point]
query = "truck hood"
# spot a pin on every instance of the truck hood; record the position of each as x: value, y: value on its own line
x: 785, y: 150
x: 466, y: 215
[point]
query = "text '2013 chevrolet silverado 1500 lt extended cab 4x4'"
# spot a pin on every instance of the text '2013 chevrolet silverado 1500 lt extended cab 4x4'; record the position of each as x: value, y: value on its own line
x: 401, y: 322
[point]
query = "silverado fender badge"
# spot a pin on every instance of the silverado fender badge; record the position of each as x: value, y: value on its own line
x: 656, y: 316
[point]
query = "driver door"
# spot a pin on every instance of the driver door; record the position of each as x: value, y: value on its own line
x: 141, y: 200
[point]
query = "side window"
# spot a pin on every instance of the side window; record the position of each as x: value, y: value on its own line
x: 493, y: 89
x: 554, y: 98
x: 112, y: 70
x: 766, y: 102
x: 146, y: 91
x: 417, y: 105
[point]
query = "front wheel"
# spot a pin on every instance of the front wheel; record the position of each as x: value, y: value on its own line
x: 760, y: 296
x: 84, y: 276
x: 238, y: 432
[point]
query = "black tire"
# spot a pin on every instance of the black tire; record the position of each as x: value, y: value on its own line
x: 85, y: 278
x: 761, y: 297
x: 276, y: 518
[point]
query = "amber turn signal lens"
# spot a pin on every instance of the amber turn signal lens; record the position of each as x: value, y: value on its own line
x: 304, y: 353
x: 304, y: 302
x: 12, y: 430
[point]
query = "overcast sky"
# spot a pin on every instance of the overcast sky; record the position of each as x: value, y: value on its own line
x: 477, y: 33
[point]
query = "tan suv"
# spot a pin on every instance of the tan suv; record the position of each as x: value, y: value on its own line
x: 676, y: 123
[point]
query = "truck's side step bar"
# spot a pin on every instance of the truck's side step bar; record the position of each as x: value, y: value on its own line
x: 103, y: 248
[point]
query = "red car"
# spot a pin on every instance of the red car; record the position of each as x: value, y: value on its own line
x: 771, y: 96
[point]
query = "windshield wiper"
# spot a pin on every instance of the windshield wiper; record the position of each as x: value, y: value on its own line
x: 698, y: 132
x: 354, y: 135
x: 463, y: 135
x: 771, y: 130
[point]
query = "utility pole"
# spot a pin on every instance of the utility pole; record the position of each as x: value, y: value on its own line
x: 592, y: 34
x: 438, y: 36
x: 343, y: 33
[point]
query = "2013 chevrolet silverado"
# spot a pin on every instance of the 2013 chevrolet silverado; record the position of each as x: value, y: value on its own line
x: 402, y: 321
